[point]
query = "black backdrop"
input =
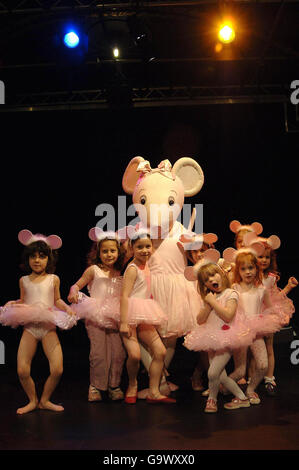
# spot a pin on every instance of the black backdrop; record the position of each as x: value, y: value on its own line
x: 57, y: 167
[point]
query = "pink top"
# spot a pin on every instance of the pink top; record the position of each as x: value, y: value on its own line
x: 39, y: 291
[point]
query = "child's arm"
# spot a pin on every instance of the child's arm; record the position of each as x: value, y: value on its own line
x: 204, y: 313
x: 267, y: 299
x: 292, y: 282
x: 58, y: 302
x: 128, y: 283
x: 226, y: 313
x: 85, y: 279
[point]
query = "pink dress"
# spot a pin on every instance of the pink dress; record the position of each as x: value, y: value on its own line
x: 142, y: 308
x: 263, y: 321
x: 169, y: 286
x: 37, y: 312
x: 216, y: 334
x: 103, y: 304
x: 279, y: 299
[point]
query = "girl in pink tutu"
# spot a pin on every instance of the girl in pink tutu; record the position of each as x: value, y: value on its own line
x: 270, y: 275
x: 39, y: 309
x: 263, y: 317
x: 139, y: 315
x: 107, y: 354
x: 221, y: 328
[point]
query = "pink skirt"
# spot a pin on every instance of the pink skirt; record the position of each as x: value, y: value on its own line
x: 212, y: 336
x: 283, y: 305
x: 23, y: 314
x: 145, y: 311
x: 267, y: 322
x: 100, y: 312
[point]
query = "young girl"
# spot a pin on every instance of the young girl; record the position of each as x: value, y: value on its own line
x: 39, y: 295
x: 139, y: 314
x: 257, y: 307
x: 107, y: 354
x: 268, y: 266
x: 195, y: 255
x: 220, y: 329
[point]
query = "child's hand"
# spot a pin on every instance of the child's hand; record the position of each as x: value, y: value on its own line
x: 210, y: 297
x: 73, y: 295
x: 292, y: 282
x: 125, y: 330
x: 70, y: 312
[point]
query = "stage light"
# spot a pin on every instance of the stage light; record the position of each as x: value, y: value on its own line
x: 71, y: 39
x: 226, y: 33
x: 115, y: 52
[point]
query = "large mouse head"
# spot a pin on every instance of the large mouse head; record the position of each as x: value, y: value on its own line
x: 158, y: 194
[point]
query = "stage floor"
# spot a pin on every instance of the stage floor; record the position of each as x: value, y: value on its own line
x: 108, y: 426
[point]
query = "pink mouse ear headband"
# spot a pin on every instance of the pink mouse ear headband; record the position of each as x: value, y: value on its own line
x: 255, y: 227
x: 96, y: 234
x: 26, y: 237
x: 165, y: 168
x: 230, y: 254
x: 209, y: 256
x: 272, y: 242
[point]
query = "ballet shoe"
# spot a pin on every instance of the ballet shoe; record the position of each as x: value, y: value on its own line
x: 142, y: 394
x: 131, y: 400
x: 173, y: 387
x: 157, y: 401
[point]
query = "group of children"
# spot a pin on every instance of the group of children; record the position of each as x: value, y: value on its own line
x: 236, y: 299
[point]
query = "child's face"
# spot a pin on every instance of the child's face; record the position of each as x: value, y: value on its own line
x: 239, y: 239
x: 265, y: 259
x: 108, y: 253
x: 214, y: 283
x: 142, y: 250
x: 196, y: 255
x: 38, y: 262
x: 247, y: 272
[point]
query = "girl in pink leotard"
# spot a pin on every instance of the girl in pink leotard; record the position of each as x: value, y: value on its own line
x: 39, y: 309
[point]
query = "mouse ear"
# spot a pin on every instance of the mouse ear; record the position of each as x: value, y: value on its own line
x: 274, y: 242
x: 235, y: 226
x: 189, y: 273
x: 211, y: 255
x: 257, y: 228
x: 210, y: 238
x: 94, y: 233
x: 25, y: 236
x: 229, y: 254
x: 54, y: 241
x: 258, y: 248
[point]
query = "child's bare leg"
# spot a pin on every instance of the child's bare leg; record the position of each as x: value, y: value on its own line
x: 270, y: 353
x: 26, y: 351
x: 53, y: 351
x: 133, y: 362
x: 150, y: 337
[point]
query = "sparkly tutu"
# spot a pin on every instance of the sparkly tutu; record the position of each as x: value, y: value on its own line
x: 23, y: 314
x: 100, y: 312
x: 215, y: 335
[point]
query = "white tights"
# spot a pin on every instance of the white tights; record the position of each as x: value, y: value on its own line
x: 217, y: 374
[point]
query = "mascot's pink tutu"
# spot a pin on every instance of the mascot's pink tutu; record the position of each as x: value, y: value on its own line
x: 217, y: 335
x: 24, y: 314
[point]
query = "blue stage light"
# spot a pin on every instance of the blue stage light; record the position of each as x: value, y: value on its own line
x: 71, y: 39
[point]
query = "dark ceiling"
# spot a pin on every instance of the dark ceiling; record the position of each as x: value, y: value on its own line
x: 167, y: 57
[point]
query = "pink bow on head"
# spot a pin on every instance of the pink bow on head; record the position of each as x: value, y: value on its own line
x: 163, y: 167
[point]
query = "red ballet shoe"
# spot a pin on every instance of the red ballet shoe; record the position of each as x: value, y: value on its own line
x: 131, y: 400
x: 156, y: 401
